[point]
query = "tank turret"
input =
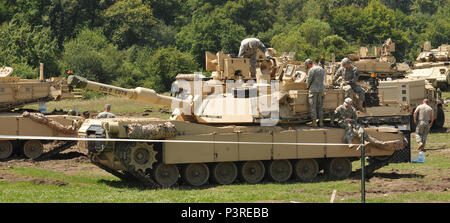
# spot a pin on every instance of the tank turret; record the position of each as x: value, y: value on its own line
x: 379, y: 61
x: 241, y: 102
x: 433, y: 65
x: 16, y: 92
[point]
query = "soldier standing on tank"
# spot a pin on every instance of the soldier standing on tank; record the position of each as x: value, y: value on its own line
x: 350, y: 75
x: 346, y: 115
x: 423, y: 125
x: 249, y: 49
x: 316, y: 76
x: 106, y: 113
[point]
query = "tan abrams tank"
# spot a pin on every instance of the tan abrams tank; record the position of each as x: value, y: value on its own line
x: 200, y: 149
x: 380, y: 62
x: 15, y: 93
x: 433, y: 65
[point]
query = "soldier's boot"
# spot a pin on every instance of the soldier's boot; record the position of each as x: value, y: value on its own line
x: 420, y: 148
x: 314, y: 123
x: 361, y: 106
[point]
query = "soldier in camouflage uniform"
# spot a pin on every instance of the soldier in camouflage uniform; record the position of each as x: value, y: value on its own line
x: 316, y: 76
x: 106, y: 113
x: 249, y: 48
x: 346, y: 115
x: 426, y: 117
x: 350, y: 76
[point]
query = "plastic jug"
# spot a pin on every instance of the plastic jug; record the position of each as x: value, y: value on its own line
x: 421, y: 158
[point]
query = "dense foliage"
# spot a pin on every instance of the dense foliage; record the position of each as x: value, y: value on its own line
x: 147, y: 42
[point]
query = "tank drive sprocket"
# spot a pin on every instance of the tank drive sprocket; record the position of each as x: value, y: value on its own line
x: 125, y: 153
x: 142, y: 156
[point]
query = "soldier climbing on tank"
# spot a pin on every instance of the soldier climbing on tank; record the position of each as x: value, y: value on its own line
x: 386, y: 47
x: 316, y: 76
x: 106, y: 113
x: 346, y: 115
x: 249, y: 49
x: 423, y: 125
x: 350, y: 75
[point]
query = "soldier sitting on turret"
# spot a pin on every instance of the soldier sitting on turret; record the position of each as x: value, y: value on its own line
x: 350, y: 75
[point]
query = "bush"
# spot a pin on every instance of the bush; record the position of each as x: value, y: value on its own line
x: 163, y: 67
x: 91, y: 55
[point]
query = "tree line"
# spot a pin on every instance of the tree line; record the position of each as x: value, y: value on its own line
x: 133, y: 43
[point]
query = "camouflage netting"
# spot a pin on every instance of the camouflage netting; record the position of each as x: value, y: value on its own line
x: 151, y: 131
x: 392, y: 145
x: 40, y: 118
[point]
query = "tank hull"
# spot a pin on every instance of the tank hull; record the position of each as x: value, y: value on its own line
x: 18, y: 124
x: 208, y: 146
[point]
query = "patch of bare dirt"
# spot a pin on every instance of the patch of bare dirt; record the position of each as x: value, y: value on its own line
x: 6, y: 176
x: 69, y: 162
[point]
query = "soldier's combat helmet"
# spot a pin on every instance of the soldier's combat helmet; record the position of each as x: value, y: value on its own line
x: 307, y: 62
x: 345, y: 61
x: 348, y: 101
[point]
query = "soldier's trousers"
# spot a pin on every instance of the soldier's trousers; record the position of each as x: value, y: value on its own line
x: 315, y: 100
x: 358, y: 89
x: 253, y: 65
x: 349, y: 133
x: 422, y: 130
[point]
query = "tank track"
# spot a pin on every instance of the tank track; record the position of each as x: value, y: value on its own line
x: 109, y: 170
x: 123, y: 154
x: 374, y: 165
x: 56, y: 150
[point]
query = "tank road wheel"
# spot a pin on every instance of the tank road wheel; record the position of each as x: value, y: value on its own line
x: 166, y: 175
x: 306, y: 169
x: 33, y: 149
x: 338, y: 168
x: 196, y: 174
x: 142, y: 156
x: 6, y: 149
x: 280, y: 170
x: 253, y: 171
x: 224, y: 173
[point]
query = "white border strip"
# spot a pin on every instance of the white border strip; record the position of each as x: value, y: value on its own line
x: 163, y: 140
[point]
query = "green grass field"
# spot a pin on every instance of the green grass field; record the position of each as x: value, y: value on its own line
x: 395, y: 183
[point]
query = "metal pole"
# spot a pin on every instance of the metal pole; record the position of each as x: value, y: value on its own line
x: 363, y: 180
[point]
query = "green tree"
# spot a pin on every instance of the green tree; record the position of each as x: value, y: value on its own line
x: 427, y: 6
x: 163, y: 67
x: 293, y: 41
x: 334, y: 44
x: 23, y: 47
x: 91, y: 55
x: 128, y: 23
x: 314, y: 30
x: 438, y: 30
x: 209, y: 31
x: 345, y: 21
x: 254, y: 15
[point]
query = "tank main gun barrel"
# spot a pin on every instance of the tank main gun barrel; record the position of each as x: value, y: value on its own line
x: 138, y: 94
